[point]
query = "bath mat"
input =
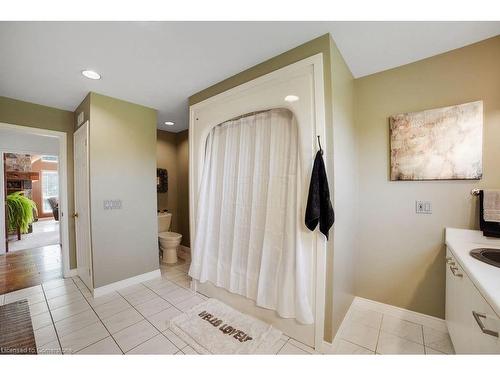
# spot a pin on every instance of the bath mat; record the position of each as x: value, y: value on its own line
x: 213, y: 327
x: 16, y: 330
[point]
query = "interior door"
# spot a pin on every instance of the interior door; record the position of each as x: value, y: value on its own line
x: 82, y: 205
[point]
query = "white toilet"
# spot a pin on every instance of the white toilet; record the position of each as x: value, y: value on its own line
x: 169, y: 241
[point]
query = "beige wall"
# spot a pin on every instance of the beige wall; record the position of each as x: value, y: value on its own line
x: 166, y: 157
x: 343, y: 80
x: 122, y: 166
x: 343, y: 175
x: 172, y: 154
x: 401, y: 259
x: 183, y: 186
x: 17, y: 112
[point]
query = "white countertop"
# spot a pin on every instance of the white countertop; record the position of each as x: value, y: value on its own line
x: 485, y: 277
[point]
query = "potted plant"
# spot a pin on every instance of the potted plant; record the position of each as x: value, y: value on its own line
x: 19, y: 212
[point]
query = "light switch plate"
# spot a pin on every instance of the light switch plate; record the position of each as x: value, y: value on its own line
x: 423, y: 207
x: 110, y: 204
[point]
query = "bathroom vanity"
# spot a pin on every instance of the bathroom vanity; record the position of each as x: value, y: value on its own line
x: 472, y: 293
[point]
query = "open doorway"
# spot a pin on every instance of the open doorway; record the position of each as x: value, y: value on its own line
x: 34, y: 236
x: 31, y: 180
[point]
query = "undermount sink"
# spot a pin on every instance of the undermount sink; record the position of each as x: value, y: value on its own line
x: 490, y: 256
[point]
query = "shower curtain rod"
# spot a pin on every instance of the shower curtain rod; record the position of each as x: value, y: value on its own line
x: 248, y: 115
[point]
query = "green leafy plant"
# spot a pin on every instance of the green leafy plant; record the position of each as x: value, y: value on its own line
x: 20, y: 211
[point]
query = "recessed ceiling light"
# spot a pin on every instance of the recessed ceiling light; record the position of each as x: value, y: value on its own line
x: 169, y: 123
x: 91, y: 74
x: 291, y: 98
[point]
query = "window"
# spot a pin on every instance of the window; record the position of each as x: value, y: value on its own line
x: 50, y: 188
x: 49, y: 159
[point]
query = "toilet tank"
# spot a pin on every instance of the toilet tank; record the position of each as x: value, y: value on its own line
x: 164, y: 220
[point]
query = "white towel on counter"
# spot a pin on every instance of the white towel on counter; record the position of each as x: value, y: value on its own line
x: 491, y: 205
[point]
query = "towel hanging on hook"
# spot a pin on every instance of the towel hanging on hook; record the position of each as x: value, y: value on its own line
x: 319, y: 145
x: 319, y: 208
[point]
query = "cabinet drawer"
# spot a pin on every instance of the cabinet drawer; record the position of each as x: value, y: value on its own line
x: 471, y: 320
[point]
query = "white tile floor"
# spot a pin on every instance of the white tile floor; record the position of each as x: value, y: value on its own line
x: 367, y: 331
x: 68, y: 320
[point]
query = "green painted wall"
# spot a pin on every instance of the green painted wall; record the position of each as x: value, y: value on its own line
x: 343, y: 181
x: 122, y: 153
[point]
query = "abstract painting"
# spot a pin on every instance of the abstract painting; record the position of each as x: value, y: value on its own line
x: 438, y: 144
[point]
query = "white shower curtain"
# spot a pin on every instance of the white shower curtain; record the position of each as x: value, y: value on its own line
x: 249, y: 216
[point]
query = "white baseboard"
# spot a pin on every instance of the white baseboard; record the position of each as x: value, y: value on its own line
x: 71, y: 273
x: 401, y: 313
x: 397, y: 312
x: 126, y: 282
x: 326, y: 348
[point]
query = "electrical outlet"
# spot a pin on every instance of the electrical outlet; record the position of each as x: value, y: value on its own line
x: 423, y: 207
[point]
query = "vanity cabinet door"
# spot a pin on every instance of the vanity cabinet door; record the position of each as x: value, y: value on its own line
x: 480, y: 314
x: 454, y: 285
x: 466, y: 312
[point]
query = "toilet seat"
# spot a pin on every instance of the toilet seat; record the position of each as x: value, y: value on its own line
x: 169, y: 236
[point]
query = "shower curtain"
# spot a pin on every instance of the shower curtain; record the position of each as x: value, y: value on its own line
x: 249, y: 226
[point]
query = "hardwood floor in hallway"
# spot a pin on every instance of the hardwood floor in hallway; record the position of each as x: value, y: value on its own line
x: 25, y: 268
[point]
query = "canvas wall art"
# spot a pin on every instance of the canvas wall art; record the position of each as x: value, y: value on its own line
x: 438, y: 144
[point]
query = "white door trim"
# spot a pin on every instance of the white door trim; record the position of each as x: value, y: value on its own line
x: 83, y: 128
x: 63, y: 184
x: 316, y: 61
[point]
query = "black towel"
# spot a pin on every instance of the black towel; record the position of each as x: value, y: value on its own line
x: 319, y: 207
x: 489, y: 228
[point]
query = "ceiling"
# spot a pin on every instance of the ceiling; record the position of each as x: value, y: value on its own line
x: 160, y: 64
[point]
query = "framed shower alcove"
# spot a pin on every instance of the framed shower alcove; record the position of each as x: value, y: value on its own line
x: 303, y: 81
